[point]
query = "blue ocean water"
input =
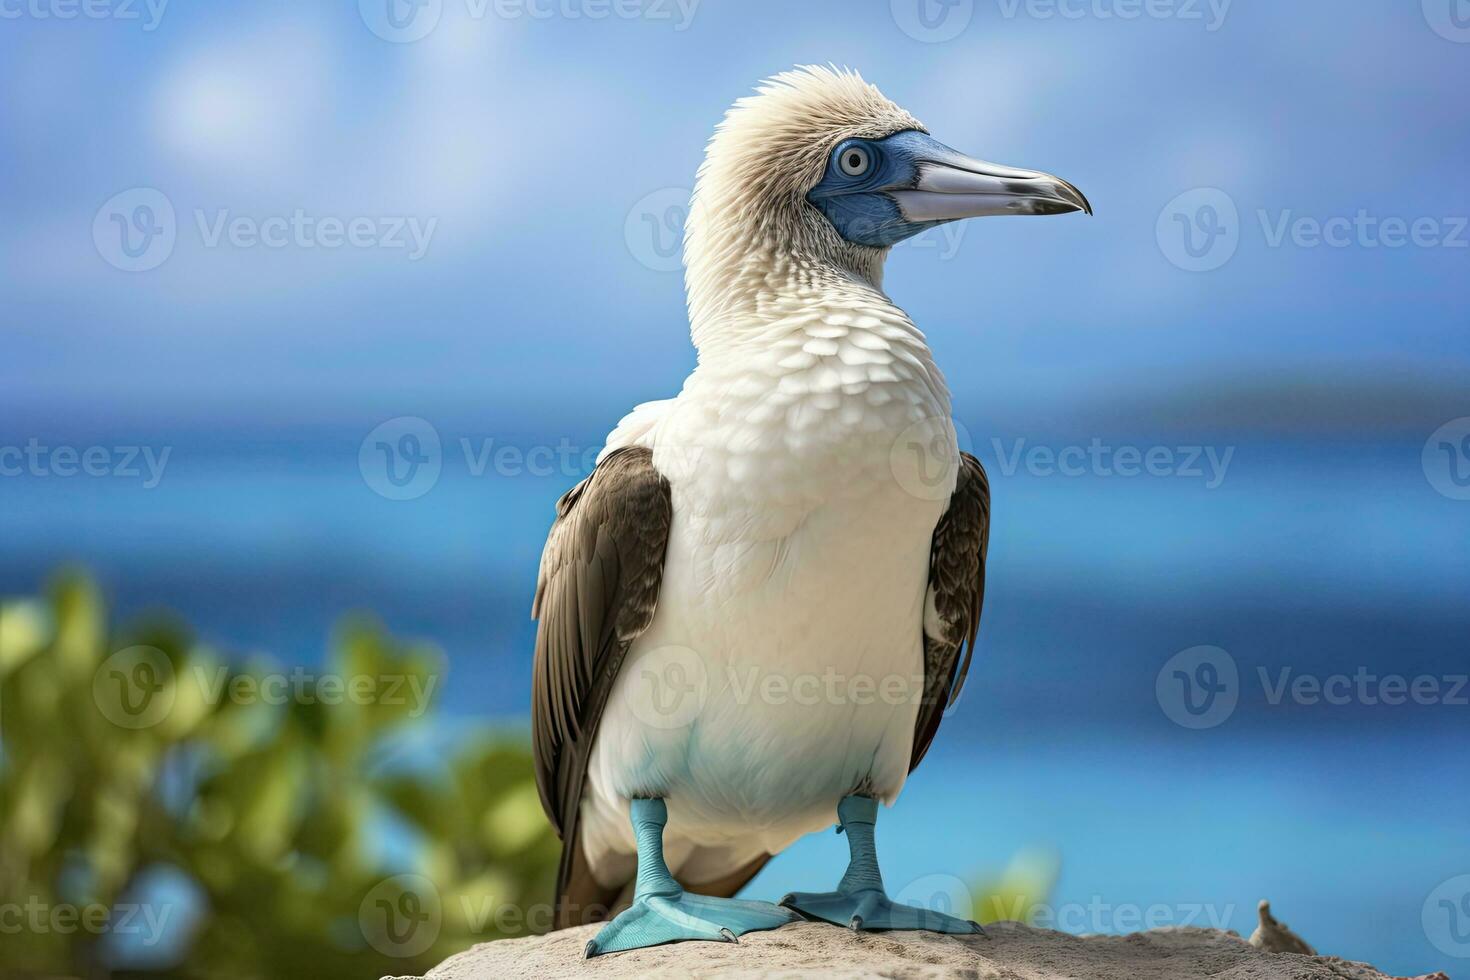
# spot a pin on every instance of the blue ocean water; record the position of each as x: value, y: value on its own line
x: 1320, y: 560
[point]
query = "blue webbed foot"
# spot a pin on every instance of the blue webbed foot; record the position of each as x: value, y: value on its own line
x: 663, y: 912
x: 871, y: 910
x: 860, y: 902
x: 656, y: 919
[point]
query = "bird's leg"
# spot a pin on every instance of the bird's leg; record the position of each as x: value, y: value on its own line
x: 663, y: 912
x: 860, y: 901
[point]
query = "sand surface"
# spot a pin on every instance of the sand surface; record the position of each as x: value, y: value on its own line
x: 803, y: 950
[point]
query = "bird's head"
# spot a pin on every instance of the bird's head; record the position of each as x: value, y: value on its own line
x: 819, y: 169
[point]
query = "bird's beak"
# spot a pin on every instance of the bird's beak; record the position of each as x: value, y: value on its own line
x: 951, y: 185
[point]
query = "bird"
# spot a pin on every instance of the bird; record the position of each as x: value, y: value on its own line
x: 755, y: 611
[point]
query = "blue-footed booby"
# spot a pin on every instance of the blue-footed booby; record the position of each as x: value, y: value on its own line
x: 752, y: 614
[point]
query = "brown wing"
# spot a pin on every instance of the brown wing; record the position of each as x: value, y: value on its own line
x: 957, y: 581
x: 599, y: 584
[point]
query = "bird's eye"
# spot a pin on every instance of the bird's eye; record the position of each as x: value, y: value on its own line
x: 854, y: 160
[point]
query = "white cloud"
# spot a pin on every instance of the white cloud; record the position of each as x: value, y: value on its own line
x: 250, y: 103
x: 455, y: 131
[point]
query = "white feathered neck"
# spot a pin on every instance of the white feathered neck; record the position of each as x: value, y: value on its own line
x: 752, y: 243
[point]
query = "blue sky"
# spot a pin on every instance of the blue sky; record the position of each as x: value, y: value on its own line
x: 528, y: 141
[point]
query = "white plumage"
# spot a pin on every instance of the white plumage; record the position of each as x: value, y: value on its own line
x: 798, y: 551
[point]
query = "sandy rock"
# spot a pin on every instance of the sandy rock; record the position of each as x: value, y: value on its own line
x: 812, y: 950
x: 1275, y: 936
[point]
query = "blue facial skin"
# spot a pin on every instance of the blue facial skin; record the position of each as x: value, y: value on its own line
x: 858, y: 206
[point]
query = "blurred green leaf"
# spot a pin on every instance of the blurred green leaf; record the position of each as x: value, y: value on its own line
x: 278, y: 793
x: 25, y: 628
x: 1024, y: 885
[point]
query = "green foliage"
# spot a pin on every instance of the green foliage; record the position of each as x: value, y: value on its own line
x: 165, y: 811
